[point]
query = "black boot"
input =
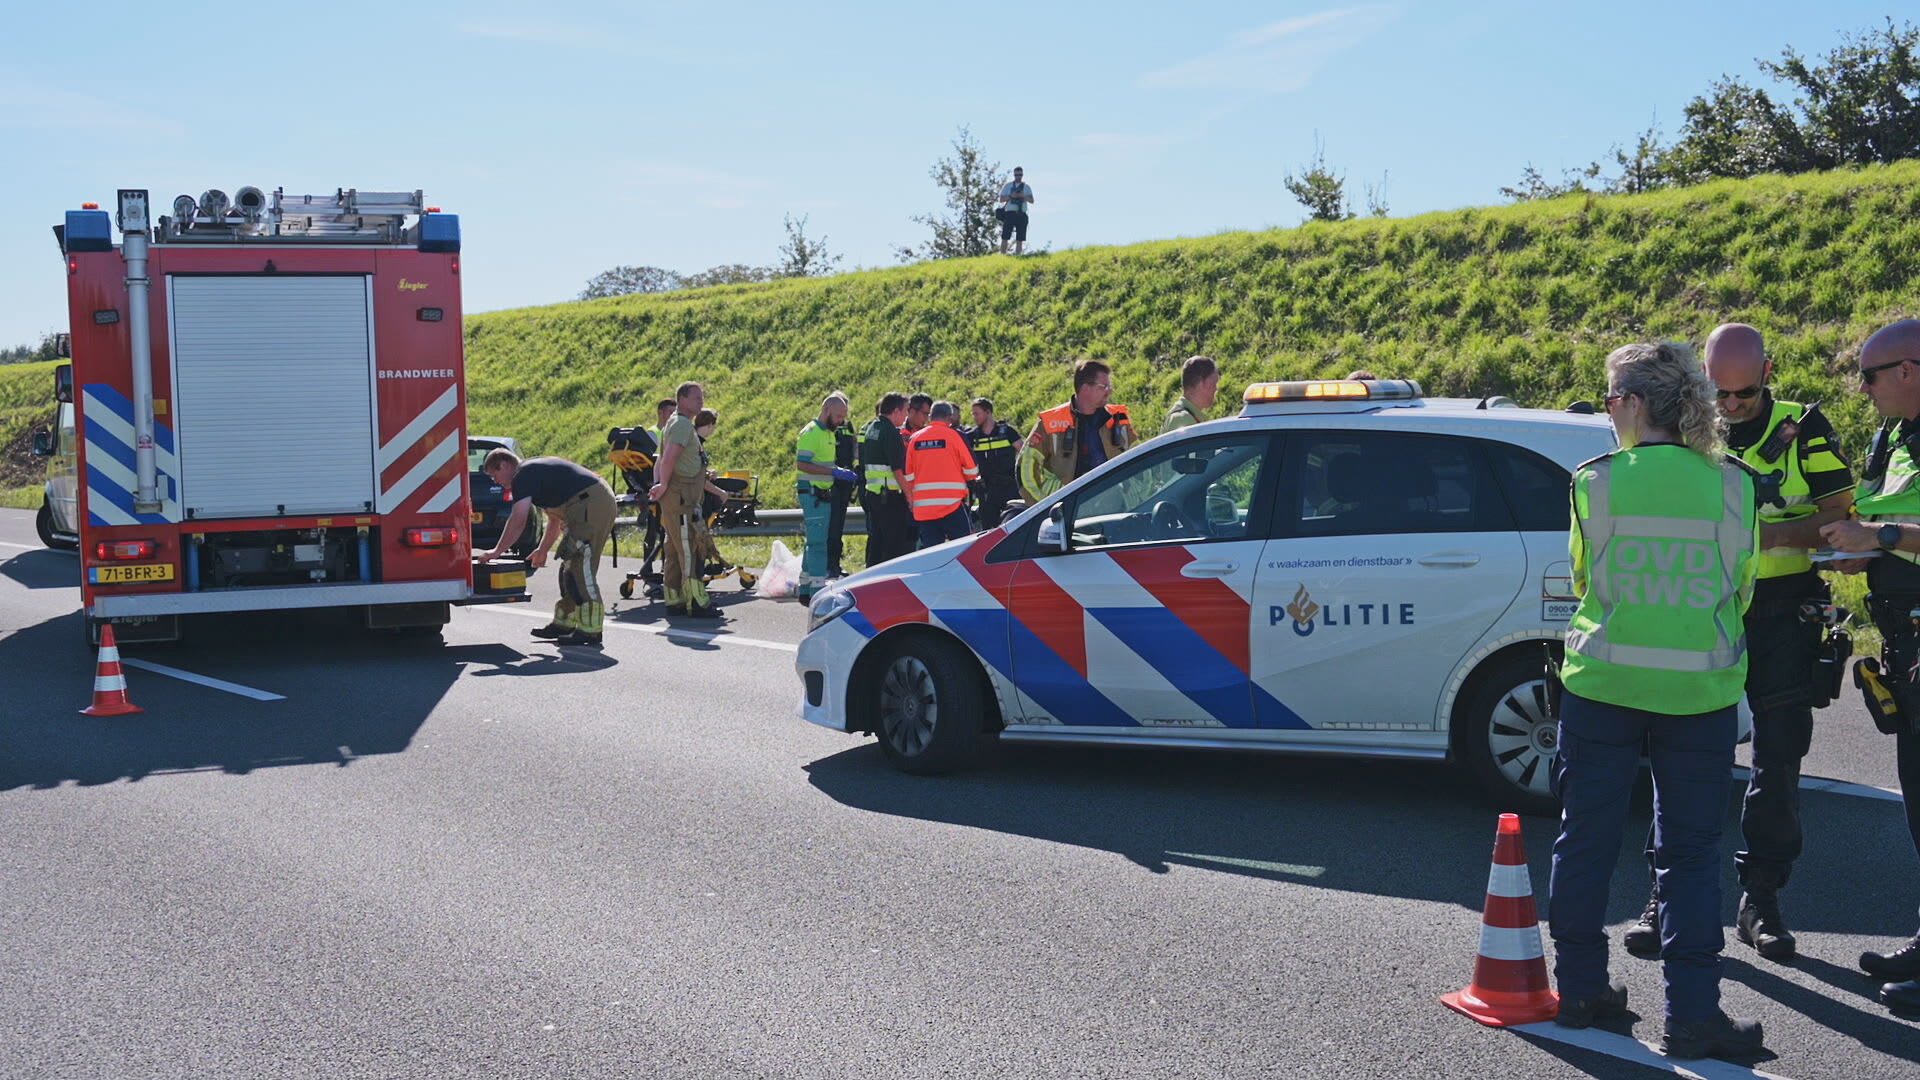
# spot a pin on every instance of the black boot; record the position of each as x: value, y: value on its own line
x: 1718, y: 1036
x: 1642, y: 939
x: 1582, y: 1012
x: 1902, y: 963
x: 551, y: 631
x: 1759, y: 924
x: 1903, y: 998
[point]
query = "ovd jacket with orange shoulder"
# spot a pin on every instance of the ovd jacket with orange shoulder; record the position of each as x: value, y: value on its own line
x: 1052, y: 449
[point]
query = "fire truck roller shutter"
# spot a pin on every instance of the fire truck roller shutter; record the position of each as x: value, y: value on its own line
x: 273, y: 396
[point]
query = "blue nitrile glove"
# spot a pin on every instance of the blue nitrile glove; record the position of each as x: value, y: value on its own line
x: 845, y: 475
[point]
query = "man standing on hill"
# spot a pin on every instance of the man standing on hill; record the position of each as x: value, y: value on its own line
x: 1199, y: 384
x: 577, y: 502
x: 1794, y: 446
x: 1015, y: 197
x: 1890, y: 525
x: 940, y: 470
x: 814, y: 476
x: 995, y: 448
x: 681, y: 491
x: 883, y: 459
x: 1068, y: 440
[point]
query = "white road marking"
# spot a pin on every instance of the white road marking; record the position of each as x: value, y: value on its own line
x: 664, y: 631
x: 1627, y: 1048
x: 203, y: 680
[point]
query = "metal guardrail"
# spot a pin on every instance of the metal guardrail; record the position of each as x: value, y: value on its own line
x: 776, y: 523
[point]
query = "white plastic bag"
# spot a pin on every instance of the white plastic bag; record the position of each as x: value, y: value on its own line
x: 782, y: 575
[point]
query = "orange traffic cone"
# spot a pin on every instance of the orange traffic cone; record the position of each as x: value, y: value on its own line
x: 109, y: 685
x: 1510, y: 975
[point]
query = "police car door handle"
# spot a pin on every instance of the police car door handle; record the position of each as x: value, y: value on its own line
x: 1451, y: 558
x: 1209, y: 568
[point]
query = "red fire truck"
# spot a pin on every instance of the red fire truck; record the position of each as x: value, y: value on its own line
x: 268, y: 412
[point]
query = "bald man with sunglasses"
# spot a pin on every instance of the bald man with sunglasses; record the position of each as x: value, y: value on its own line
x: 1796, y: 447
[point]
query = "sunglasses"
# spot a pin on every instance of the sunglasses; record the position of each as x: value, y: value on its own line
x: 1607, y: 400
x: 1747, y: 394
x: 1867, y: 374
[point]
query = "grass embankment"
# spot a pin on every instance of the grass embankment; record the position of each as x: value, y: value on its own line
x: 26, y: 403
x: 1521, y: 300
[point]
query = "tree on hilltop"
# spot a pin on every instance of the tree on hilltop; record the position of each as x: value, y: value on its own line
x: 729, y: 274
x: 1857, y: 105
x: 623, y: 280
x: 802, y: 255
x: 972, y: 186
x: 1319, y: 189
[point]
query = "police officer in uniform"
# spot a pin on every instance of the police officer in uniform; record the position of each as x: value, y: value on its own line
x: 846, y: 456
x: 1890, y: 375
x: 1071, y: 439
x: 1793, y: 448
x: 1664, y: 545
x: 883, y: 463
x: 996, y: 447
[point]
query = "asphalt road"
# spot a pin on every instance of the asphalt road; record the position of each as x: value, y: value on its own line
x: 492, y: 858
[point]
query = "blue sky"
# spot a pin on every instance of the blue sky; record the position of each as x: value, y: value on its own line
x: 575, y: 137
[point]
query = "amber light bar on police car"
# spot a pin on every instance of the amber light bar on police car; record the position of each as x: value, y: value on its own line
x: 1266, y: 393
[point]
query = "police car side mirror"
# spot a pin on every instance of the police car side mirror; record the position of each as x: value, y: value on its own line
x: 1054, y: 534
x: 43, y: 443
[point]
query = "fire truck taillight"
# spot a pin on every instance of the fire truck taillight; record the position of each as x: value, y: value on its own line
x: 123, y: 550
x: 429, y: 537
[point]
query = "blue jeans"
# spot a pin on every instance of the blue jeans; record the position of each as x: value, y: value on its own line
x: 1692, y: 756
x: 952, y: 527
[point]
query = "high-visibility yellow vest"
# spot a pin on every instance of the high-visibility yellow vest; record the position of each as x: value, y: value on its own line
x: 814, y: 446
x: 1664, y: 552
x: 1895, y: 498
x: 1790, y: 469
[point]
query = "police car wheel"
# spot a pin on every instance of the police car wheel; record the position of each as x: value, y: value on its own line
x: 1509, y: 739
x: 928, y: 706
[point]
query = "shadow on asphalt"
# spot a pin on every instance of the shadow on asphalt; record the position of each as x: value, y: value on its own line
x: 44, y: 569
x: 352, y: 694
x: 1378, y: 827
x: 1863, y: 1018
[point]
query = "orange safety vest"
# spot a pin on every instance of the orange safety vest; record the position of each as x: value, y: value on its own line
x: 1053, y: 445
x: 939, y: 468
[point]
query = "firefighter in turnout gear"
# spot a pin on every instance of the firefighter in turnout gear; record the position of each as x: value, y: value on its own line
x: 883, y: 461
x: 1792, y: 447
x: 996, y: 447
x: 680, y: 489
x: 579, y: 505
x: 1069, y: 440
x: 1663, y: 548
x: 1890, y: 524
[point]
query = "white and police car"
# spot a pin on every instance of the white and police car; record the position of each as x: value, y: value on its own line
x: 1345, y: 568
